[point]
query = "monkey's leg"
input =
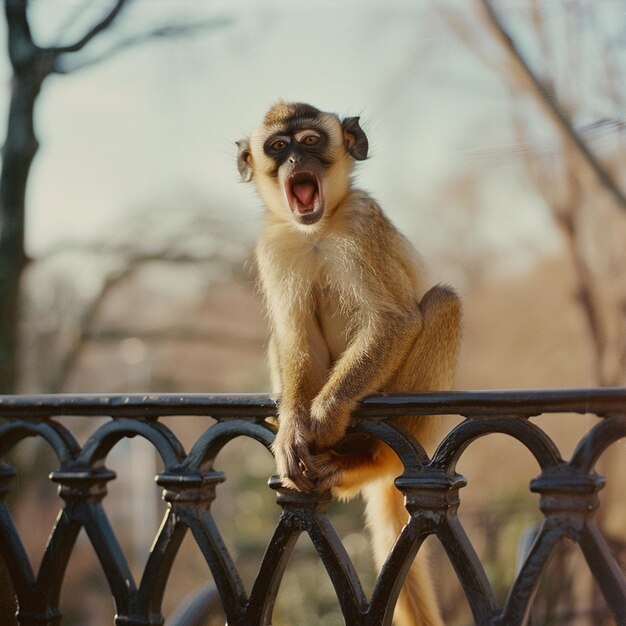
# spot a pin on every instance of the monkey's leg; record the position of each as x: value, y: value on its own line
x: 431, y: 363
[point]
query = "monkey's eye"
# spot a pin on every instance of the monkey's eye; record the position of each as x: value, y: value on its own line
x: 278, y: 145
x: 310, y: 140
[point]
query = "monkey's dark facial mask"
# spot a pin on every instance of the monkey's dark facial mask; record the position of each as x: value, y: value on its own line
x: 301, y: 159
x: 300, y: 164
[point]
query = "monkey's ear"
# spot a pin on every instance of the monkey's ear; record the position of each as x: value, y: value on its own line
x: 244, y: 160
x: 355, y: 139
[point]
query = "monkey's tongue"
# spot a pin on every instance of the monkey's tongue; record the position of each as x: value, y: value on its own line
x: 305, y: 194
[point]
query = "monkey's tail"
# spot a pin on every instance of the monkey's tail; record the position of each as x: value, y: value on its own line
x: 386, y: 515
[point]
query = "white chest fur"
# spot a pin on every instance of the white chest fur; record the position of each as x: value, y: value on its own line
x: 322, y: 272
x: 333, y: 321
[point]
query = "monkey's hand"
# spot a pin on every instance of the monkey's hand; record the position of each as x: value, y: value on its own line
x: 293, y: 459
x: 329, y: 421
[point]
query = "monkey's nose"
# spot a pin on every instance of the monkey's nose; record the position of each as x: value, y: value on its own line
x: 295, y: 158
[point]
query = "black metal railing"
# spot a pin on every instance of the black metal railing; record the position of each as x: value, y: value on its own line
x: 568, y: 500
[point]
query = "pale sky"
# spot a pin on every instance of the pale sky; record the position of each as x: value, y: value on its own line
x: 162, y: 118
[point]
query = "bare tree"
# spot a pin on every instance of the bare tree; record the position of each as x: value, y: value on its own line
x: 566, y: 72
x: 77, y: 327
x: 580, y: 185
x: 32, y: 64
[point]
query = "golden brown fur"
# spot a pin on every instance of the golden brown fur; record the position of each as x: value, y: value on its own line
x: 349, y: 317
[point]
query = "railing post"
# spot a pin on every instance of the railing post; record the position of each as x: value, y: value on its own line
x: 307, y: 513
x: 432, y: 499
x: 569, y: 497
x: 569, y: 500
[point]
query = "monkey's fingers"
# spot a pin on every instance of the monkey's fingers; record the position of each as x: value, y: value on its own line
x: 290, y: 453
x: 299, y: 486
x: 327, y: 469
x: 295, y: 473
x: 298, y: 481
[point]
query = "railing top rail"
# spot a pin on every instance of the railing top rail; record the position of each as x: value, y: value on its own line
x: 524, y: 403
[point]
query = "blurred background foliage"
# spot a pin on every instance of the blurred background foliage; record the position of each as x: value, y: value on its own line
x: 498, y: 146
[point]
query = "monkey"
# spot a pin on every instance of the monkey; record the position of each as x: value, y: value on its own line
x: 349, y: 316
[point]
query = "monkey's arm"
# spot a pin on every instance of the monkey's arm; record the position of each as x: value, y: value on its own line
x: 376, y: 351
x: 299, y: 359
x: 302, y: 361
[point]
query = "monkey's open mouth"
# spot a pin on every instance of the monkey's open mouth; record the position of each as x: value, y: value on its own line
x: 305, y: 197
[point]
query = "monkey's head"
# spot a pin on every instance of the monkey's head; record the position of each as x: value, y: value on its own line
x: 300, y: 159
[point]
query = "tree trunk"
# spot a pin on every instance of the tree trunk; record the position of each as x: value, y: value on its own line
x: 18, y: 154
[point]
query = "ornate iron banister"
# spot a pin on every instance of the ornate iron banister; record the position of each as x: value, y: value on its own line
x: 568, y: 500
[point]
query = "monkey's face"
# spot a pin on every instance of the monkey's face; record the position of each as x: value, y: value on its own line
x: 295, y: 160
x: 300, y: 160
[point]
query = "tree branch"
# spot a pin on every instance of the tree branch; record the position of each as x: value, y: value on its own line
x: 463, y: 31
x: 548, y: 101
x: 71, y: 19
x: 131, y: 265
x: 161, y: 32
x: 115, y: 335
x: 95, y: 30
x: 89, y: 316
